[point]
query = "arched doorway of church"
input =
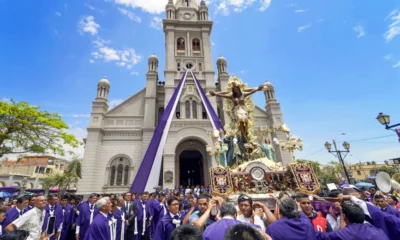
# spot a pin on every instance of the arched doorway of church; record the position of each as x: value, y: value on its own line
x: 191, y: 168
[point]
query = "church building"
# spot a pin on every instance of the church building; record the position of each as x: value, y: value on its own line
x: 118, y: 138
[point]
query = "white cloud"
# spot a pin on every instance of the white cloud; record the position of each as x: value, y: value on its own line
x: 394, y: 27
x: 130, y: 15
x: 94, y: 8
x: 80, y: 115
x: 319, y: 20
x: 123, y: 58
x: 135, y: 73
x: 222, y: 8
x: 291, y: 5
x: 88, y: 25
x: 150, y: 6
x: 304, y: 27
x: 242, y: 71
x: 156, y: 23
x: 397, y: 65
x: 264, y: 5
x: 115, y: 102
x: 58, y: 14
x: 301, y: 10
x: 388, y: 57
x: 212, y: 43
x: 359, y: 30
x: 91, y: 61
x: 100, y: 42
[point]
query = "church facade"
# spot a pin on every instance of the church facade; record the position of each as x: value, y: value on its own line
x: 118, y: 138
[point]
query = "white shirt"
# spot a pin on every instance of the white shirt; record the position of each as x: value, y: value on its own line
x: 335, y: 223
x: 32, y: 222
x: 257, y: 221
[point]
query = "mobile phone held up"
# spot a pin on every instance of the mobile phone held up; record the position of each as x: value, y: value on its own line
x: 51, y: 225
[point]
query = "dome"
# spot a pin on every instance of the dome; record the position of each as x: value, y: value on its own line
x: 202, y: 3
x: 153, y: 57
x: 221, y: 59
x: 103, y: 82
x: 268, y: 84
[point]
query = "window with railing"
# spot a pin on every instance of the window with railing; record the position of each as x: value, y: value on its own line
x: 180, y: 44
x: 196, y: 44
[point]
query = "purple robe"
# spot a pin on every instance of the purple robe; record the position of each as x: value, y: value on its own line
x: 354, y: 232
x: 140, y: 218
x: 83, y: 219
x: 69, y: 219
x: 391, y: 210
x: 389, y: 224
x: 292, y: 229
x: 119, y: 215
x: 217, y: 230
x: 28, y: 208
x: 165, y: 228
x: 57, y: 212
x: 11, y: 215
x: 158, y: 214
x: 99, y: 229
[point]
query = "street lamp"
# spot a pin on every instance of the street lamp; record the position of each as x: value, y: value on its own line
x: 384, y: 119
x: 293, y: 143
x: 337, y: 153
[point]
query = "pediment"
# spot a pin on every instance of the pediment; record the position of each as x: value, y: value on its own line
x: 259, y: 112
x: 131, y: 107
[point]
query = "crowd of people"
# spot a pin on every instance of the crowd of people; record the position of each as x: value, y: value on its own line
x: 194, y: 214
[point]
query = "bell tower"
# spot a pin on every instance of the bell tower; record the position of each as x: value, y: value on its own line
x: 188, y: 46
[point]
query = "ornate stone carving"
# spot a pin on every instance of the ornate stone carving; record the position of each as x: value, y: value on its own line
x: 168, y: 177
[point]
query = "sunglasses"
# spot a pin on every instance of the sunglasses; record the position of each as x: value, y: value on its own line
x: 243, y: 197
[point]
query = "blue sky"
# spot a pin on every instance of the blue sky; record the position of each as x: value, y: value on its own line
x: 334, y: 64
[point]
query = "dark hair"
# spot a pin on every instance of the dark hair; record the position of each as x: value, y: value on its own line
x: 394, y: 198
x: 65, y: 197
x: 227, y: 209
x: 238, y: 94
x: 243, y: 198
x: 170, y: 200
x: 72, y: 197
x: 203, y: 196
x: 51, y: 196
x: 243, y: 232
x: 347, y: 191
x: 353, y: 212
x: 379, y: 197
x: 21, y: 200
x: 178, y: 194
x: 15, y: 235
x: 288, y: 208
x: 186, y: 232
x: 93, y: 195
x: 32, y: 196
x: 334, y: 193
x: 2, y: 211
x: 301, y: 195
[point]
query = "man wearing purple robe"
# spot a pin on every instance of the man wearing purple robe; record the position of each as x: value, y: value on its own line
x: 389, y: 224
x: 354, y: 218
x: 159, y: 210
x: 31, y: 202
x: 217, y: 230
x: 169, y: 222
x: 142, y: 218
x: 119, y: 215
x: 53, y: 209
x: 68, y: 215
x: 15, y: 212
x: 292, y: 224
x: 384, y: 206
x: 101, y: 227
x: 86, y: 213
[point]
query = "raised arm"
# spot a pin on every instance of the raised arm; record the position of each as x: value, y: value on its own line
x: 221, y: 94
x: 252, y: 91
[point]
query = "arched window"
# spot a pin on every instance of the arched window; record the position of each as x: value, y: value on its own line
x: 126, y: 175
x: 180, y: 44
x: 112, y: 177
x: 160, y: 113
x: 187, y: 109
x: 178, y: 110
x: 120, y: 171
x: 196, y: 44
x: 178, y: 66
x: 194, y: 109
x: 203, y: 112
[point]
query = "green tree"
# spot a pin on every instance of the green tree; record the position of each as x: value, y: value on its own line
x: 28, y: 129
x: 387, y: 169
x: 327, y: 175
x: 316, y: 166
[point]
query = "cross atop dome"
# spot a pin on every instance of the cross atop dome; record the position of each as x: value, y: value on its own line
x: 186, y: 3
